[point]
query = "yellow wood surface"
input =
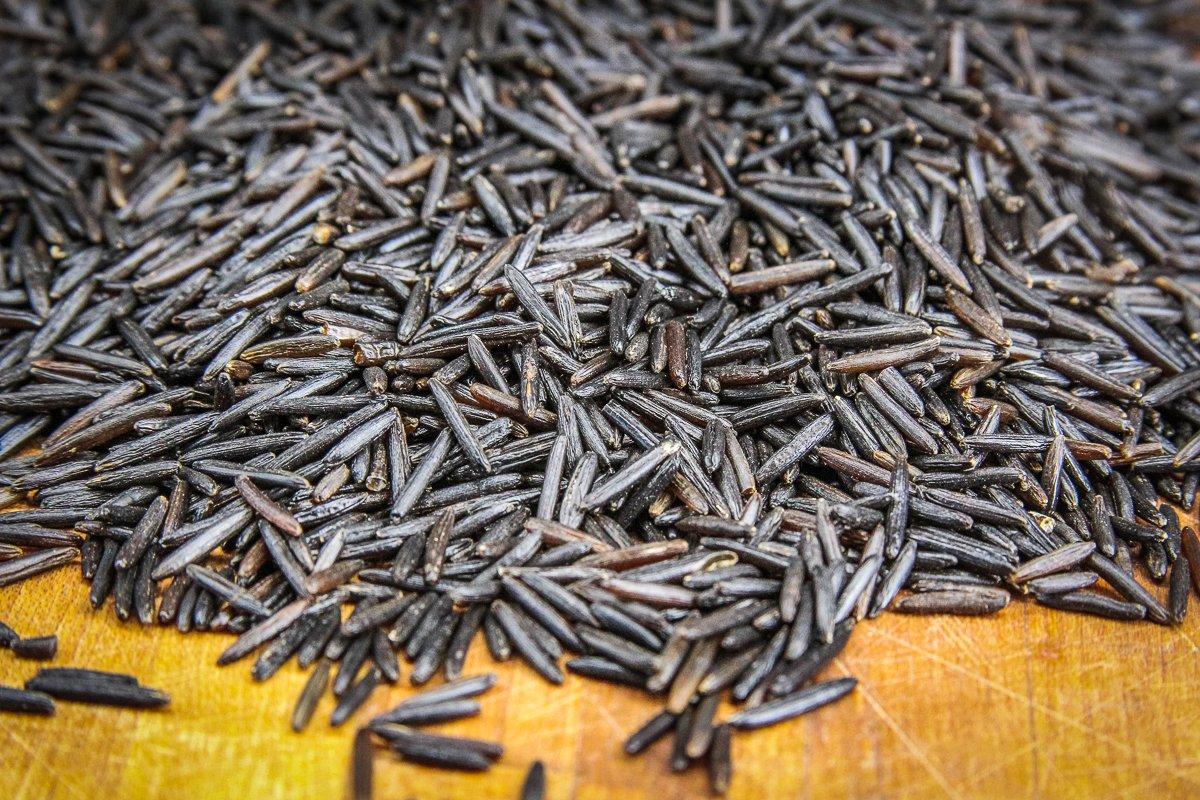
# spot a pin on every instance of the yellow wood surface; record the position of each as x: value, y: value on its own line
x: 1029, y: 704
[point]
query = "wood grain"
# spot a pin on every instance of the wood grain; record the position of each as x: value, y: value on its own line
x: 1030, y: 703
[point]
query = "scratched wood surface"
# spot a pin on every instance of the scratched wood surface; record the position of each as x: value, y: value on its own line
x: 1031, y: 703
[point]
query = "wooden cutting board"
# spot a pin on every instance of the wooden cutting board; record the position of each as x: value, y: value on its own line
x: 1030, y: 703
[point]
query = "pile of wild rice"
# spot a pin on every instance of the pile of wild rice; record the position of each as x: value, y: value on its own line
x: 675, y: 336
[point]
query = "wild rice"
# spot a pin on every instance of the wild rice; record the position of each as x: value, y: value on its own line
x: 677, y: 338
